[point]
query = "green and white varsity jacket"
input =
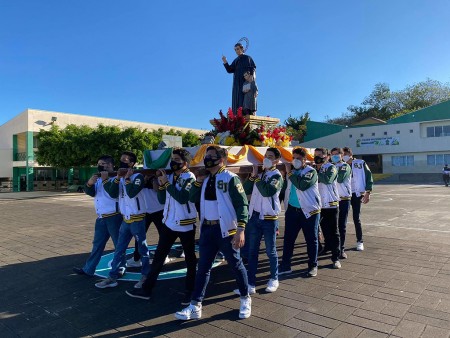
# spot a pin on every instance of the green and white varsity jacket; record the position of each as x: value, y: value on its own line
x: 265, y: 190
x: 179, y: 213
x: 362, y: 180
x: 304, y: 181
x: 132, y: 202
x: 327, y: 186
x: 344, y: 181
x: 232, y: 202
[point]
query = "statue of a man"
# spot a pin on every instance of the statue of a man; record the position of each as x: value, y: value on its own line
x: 242, y: 64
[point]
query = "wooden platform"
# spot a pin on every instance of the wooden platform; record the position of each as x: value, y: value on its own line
x: 257, y: 121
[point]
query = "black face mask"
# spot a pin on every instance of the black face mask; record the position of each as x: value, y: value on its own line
x: 209, y: 162
x: 101, y: 168
x: 123, y: 165
x: 319, y: 160
x: 175, y: 165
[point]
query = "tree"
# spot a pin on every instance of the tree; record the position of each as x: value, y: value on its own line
x: 296, y: 126
x: 384, y: 104
x: 80, y: 146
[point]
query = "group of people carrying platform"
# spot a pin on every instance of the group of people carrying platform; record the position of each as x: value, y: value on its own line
x: 315, y: 194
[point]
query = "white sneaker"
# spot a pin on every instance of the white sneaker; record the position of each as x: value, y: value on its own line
x: 168, y: 260
x: 134, y: 264
x: 106, y: 283
x: 138, y: 285
x: 251, y: 290
x: 245, y: 309
x: 190, y: 312
x: 182, y: 254
x: 337, y: 265
x: 272, y: 285
x: 359, y: 246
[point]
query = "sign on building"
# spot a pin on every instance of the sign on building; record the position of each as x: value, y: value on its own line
x: 172, y: 141
x: 377, y: 141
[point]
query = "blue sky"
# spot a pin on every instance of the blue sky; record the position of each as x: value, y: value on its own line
x: 160, y: 61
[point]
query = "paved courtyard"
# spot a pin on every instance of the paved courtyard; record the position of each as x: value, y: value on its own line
x: 398, y: 287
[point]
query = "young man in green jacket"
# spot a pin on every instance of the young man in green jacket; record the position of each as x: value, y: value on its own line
x: 264, y: 209
x: 223, y: 216
x: 127, y: 186
x: 362, y: 183
x: 302, y: 205
x: 344, y: 188
x: 327, y: 174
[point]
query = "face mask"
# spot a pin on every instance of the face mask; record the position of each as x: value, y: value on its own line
x: 123, y: 165
x: 209, y: 162
x: 319, y: 160
x: 267, y: 164
x: 101, y: 168
x: 335, y: 158
x: 345, y: 158
x: 175, y: 165
x: 297, y: 163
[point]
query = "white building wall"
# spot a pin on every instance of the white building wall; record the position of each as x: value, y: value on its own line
x: 412, y: 139
x: 35, y: 120
x: 42, y: 119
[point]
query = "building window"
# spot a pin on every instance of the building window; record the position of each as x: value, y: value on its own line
x: 438, y: 131
x: 373, y: 134
x: 350, y: 136
x: 403, y: 161
x: 385, y: 133
x: 411, y: 131
x: 398, y: 131
x: 438, y: 159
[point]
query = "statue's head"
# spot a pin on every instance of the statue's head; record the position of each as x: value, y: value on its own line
x: 239, y: 49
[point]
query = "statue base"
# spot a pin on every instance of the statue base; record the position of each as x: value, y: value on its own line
x: 256, y: 121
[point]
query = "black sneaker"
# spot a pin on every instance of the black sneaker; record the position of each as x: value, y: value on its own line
x: 139, y: 293
x: 186, y: 298
x: 80, y: 271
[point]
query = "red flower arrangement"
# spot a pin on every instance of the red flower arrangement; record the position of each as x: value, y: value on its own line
x: 233, y: 130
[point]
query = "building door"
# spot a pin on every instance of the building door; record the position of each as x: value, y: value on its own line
x: 375, y: 162
x: 23, y: 183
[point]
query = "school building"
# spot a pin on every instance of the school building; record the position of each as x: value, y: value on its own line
x: 415, y: 143
x: 18, y: 143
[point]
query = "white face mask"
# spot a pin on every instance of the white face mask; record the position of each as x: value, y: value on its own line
x: 267, y: 164
x: 297, y: 163
x: 345, y: 158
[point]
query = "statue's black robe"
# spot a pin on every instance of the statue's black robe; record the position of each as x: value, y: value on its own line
x: 239, y: 67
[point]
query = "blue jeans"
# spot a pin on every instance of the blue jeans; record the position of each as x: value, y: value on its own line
x: 256, y: 228
x: 344, y: 207
x: 294, y: 221
x: 210, y: 243
x: 126, y: 233
x: 104, y: 229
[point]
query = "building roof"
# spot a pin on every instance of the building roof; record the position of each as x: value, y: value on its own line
x: 440, y: 111
x: 369, y: 120
x: 320, y: 129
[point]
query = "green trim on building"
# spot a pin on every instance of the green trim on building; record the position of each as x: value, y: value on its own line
x: 29, y: 158
x: 316, y: 130
x: 15, y: 147
x: 440, y: 111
